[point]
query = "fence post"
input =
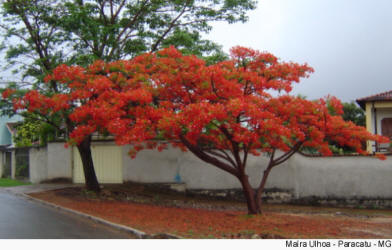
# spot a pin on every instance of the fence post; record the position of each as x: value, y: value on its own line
x: 13, y: 164
x: 1, y: 163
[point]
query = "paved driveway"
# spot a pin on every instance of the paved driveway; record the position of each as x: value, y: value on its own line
x: 24, y: 219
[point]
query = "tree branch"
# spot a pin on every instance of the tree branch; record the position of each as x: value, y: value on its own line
x: 207, y: 158
x: 288, y: 154
x: 246, y: 152
x: 223, y: 156
x: 12, y: 32
x: 234, y: 145
x: 45, y: 120
x: 34, y: 34
x: 114, y: 17
x: 102, y: 10
x: 129, y: 25
x: 171, y: 25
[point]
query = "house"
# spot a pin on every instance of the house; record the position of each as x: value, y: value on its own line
x: 378, y: 111
x: 7, y: 131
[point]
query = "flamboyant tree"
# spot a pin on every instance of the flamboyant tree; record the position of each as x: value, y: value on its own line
x: 83, y: 103
x: 57, y: 108
x: 222, y: 113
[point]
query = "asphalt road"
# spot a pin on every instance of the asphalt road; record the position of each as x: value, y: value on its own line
x: 24, y: 219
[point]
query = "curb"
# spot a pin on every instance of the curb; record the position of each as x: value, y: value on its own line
x: 139, y: 234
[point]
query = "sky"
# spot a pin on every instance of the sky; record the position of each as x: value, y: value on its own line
x: 347, y: 42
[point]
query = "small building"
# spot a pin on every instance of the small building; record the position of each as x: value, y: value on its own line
x: 7, y: 130
x: 378, y: 111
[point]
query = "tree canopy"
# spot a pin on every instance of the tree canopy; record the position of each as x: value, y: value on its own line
x: 222, y: 113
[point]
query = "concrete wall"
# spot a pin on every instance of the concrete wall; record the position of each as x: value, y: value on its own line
x: 343, y: 177
x: 172, y: 165
x: 150, y: 166
x: 38, y: 163
x: 50, y: 162
x: 59, y: 161
x: 326, y: 177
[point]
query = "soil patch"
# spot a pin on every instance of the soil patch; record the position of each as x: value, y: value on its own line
x: 155, y: 212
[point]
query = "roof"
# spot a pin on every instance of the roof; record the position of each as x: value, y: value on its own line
x: 12, y: 127
x: 384, y: 96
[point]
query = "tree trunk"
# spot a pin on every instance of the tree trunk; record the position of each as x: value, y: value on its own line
x: 260, y: 189
x: 249, y: 195
x: 90, y: 177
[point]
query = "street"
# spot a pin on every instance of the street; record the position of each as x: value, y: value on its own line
x: 24, y: 219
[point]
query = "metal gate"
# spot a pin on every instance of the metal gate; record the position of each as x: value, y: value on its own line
x: 7, y: 165
x: 22, y: 163
x: 107, y: 164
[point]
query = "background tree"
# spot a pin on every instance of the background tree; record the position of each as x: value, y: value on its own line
x: 39, y: 35
x: 30, y: 132
x: 222, y: 113
x: 350, y: 112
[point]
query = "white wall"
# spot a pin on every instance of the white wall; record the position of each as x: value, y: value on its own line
x: 342, y: 177
x: 327, y: 177
x: 59, y: 161
x: 151, y: 166
x: 38, y: 164
x: 52, y: 161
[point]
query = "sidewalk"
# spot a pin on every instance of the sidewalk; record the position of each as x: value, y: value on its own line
x: 36, y: 188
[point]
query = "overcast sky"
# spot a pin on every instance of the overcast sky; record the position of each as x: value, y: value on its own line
x: 347, y: 42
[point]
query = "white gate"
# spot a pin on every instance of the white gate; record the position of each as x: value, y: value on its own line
x: 107, y: 164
